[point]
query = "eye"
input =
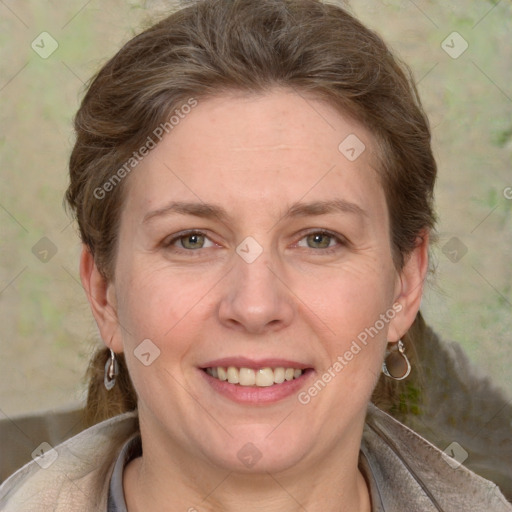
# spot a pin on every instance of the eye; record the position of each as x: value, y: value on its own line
x: 191, y: 240
x: 321, y: 240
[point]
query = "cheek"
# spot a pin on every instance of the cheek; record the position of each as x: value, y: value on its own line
x: 353, y: 340
x: 155, y: 301
x: 353, y: 309
x: 351, y: 296
x: 158, y: 312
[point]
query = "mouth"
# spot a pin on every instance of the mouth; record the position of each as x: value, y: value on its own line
x: 259, y: 377
x: 252, y: 382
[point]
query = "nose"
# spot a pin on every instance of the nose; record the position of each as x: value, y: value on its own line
x: 255, y: 297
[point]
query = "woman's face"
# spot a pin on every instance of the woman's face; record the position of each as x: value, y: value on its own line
x: 256, y: 236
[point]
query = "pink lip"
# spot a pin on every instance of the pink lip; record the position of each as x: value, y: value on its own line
x: 244, y: 362
x: 254, y: 395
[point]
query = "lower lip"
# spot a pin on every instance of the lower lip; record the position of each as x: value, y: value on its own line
x: 257, y: 395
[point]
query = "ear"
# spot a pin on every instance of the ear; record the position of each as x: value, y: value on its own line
x: 409, y: 288
x: 102, y: 299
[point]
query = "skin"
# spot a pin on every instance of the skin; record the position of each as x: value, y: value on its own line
x: 254, y: 156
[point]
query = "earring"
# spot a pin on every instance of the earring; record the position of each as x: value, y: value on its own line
x: 111, y: 370
x: 396, y: 365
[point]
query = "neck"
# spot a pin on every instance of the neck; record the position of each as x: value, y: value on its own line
x: 178, y: 482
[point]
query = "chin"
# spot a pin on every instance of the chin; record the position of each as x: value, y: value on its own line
x: 256, y: 451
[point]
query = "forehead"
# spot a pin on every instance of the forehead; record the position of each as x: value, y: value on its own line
x: 259, y: 151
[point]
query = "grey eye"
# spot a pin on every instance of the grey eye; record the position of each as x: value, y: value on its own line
x: 192, y: 241
x: 318, y: 240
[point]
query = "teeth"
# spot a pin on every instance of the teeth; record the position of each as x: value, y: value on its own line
x: 262, y: 377
x: 246, y: 376
x: 265, y: 377
x: 233, y: 375
x: 279, y: 375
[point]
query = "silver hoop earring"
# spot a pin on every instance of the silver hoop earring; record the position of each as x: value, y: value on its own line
x: 397, y: 365
x: 111, y: 371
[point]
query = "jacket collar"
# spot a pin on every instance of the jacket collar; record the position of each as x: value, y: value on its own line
x: 410, y: 473
x: 78, y: 479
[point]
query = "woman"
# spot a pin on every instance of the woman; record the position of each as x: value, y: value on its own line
x: 253, y: 186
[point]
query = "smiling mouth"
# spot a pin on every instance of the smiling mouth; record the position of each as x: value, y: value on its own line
x: 260, y: 377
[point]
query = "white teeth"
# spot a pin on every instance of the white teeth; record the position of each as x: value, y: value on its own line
x: 265, y: 377
x: 279, y: 375
x: 262, y: 377
x: 233, y: 375
x: 246, y: 377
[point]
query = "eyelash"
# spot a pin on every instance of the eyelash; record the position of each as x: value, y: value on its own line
x: 342, y: 241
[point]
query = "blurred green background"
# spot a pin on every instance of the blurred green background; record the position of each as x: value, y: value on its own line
x: 47, y: 333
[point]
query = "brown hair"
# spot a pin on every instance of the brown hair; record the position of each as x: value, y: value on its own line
x: 216, y: 46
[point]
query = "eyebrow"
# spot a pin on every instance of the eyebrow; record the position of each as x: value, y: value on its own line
x: 324, y: 208
x: 204, y: 210
x: 298, y: 209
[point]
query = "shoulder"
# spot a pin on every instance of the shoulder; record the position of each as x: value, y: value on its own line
x: 411, y: 472
x: 75, y: 476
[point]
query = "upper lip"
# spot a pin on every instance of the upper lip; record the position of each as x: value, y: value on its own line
x: 245, y: 362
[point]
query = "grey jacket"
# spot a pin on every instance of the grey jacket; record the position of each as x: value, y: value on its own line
x: 409, y: 474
